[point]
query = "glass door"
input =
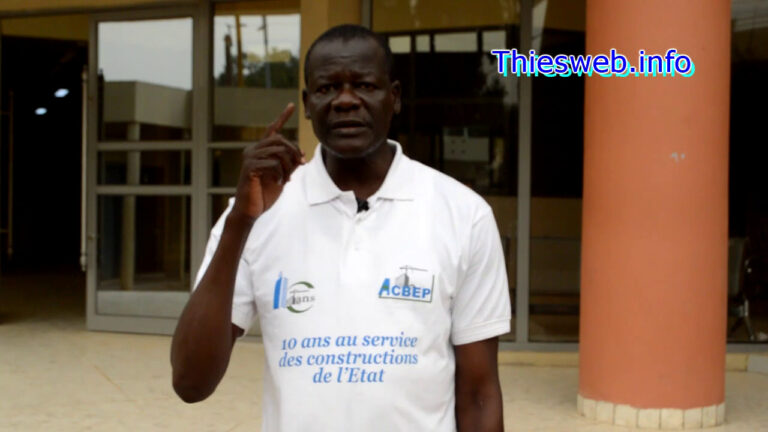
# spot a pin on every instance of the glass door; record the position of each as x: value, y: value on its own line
x: 142, y: 141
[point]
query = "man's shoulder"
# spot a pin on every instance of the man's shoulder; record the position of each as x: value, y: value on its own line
x: 290, y: 200
x: 443, y: 189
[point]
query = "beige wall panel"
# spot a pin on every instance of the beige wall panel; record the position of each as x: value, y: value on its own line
x: 550, y: 217
x: 318, y: 16
x: 34, y: 6
x: 70, y: 27
x: 406, y: 15
x: 556, y: 217
x: 555, y: 241
x: 563, y: 14
x: 259, y: 7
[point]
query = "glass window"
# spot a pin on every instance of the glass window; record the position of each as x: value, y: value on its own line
x: 225, y: 167
x: 219, y: 203
x: 400, y: 44
x: 493, y: 39
x: 145, y: 168
x: 145, y: 80
x: 748, y: 206
x: 143, y: 243
x: 423, y: 43
x: 557, y: 153
x: 255, y: 68
x: 458, y: 114
x: 456, y: 42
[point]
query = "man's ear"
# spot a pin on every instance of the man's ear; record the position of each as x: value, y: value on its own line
x: 304, y: 96
x: 396, y: 90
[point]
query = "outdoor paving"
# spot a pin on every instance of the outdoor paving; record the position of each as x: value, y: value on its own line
x: 56, y: 376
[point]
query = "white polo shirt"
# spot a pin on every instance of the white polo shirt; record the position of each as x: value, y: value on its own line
x: 359, y: 312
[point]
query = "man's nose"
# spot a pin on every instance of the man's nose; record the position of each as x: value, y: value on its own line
x: 346, y: 99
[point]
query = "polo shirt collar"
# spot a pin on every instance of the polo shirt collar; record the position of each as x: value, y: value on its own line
x: 320, y: 187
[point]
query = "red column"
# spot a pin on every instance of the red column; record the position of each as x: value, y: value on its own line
x: 655, y: 218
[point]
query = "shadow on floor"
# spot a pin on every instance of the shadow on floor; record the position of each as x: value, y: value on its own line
x: 43, y: 297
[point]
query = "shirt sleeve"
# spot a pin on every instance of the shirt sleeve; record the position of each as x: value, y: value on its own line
x: 481, y: 306
x: 243, y: 302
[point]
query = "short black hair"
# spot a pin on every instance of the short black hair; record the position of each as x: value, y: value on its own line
x: 347, y: 32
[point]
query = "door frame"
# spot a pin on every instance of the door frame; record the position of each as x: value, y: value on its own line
x: 196, y: 190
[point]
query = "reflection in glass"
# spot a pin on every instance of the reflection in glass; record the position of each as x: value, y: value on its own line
x: 461, y: 120
x: 145, y: 80
x: 554, y: 269
x: 493, y: 39
x: 400, y: 44
x: 255, y: 69
x: 456, y: 42
x: 219, y: 203
x: 146, y: 168
x: 557, y: 151
x: 748, y: 206
x: 423, y: 43
x: 225, y: 167
x: 143, y: 243
x: 458, y: 115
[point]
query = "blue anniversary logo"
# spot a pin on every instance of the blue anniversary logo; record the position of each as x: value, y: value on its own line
x: 406, y: 287
x: 297, y: 298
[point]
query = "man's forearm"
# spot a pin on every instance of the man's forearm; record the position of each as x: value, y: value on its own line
x: 202, y: 342
x: 480, y: 410
x: 478, y: 392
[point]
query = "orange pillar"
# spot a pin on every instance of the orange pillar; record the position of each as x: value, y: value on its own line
x: 655, y: 219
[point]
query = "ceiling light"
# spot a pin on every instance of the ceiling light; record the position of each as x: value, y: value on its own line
x: 62, y: 92
x: 41, y: 111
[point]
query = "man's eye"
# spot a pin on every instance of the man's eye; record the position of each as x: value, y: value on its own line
x: 366, y: 86
x: 323, y: 89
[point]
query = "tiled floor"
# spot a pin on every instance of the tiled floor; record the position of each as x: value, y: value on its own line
x: 55, y: 376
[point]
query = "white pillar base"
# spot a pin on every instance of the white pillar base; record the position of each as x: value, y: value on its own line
x: 651, y: 418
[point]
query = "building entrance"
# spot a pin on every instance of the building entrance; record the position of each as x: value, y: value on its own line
x: 40, y: 178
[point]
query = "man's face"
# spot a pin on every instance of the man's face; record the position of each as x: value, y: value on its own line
x: 349, y: 97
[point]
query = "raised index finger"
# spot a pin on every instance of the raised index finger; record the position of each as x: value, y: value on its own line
x: 278, y: 124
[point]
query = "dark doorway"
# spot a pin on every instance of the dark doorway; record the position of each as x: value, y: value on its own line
x: 40, y: 170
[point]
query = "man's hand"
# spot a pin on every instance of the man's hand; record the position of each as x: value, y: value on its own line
x: 267, y: 166
x: 205, y: 334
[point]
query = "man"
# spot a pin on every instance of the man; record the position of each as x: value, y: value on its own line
x: 379, y: 283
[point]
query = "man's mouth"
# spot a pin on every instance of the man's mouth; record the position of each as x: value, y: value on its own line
x: 348, y: 127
